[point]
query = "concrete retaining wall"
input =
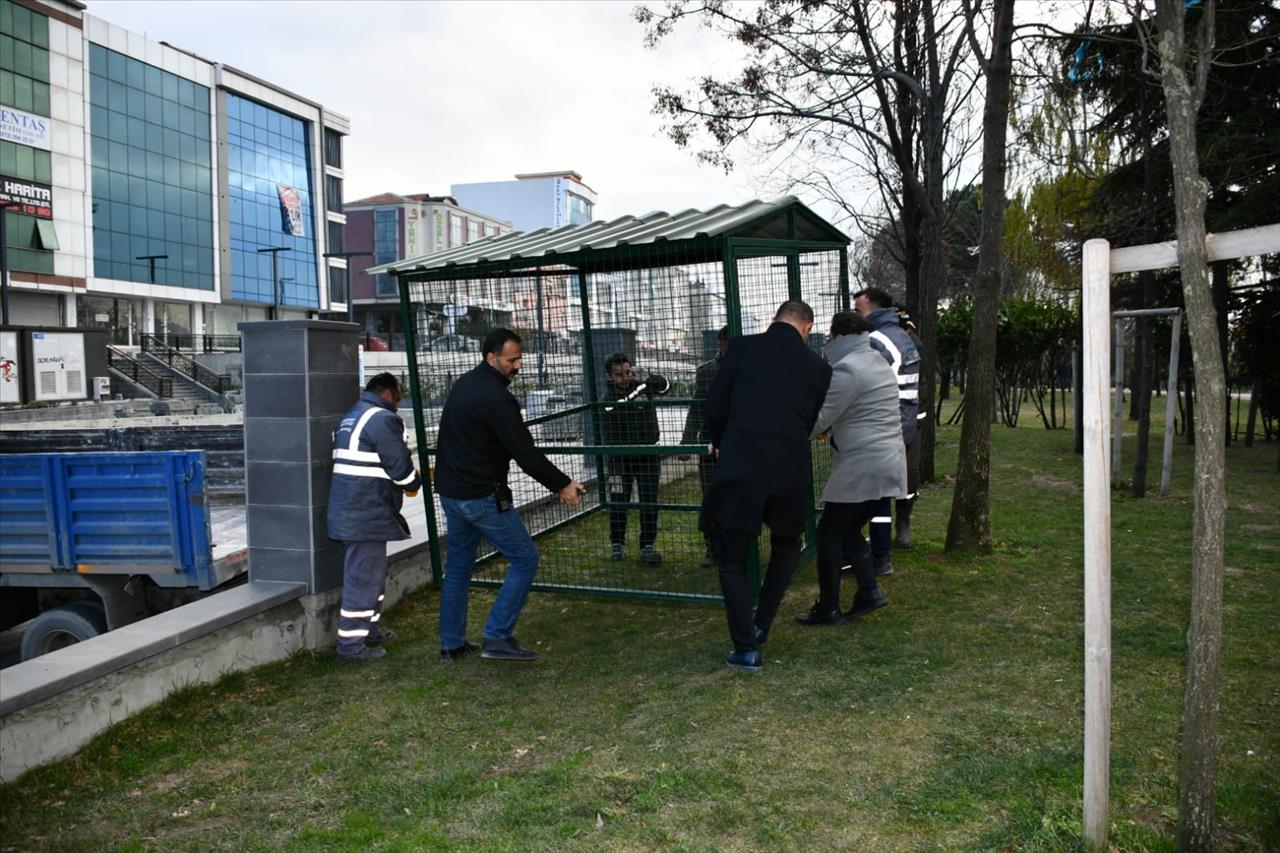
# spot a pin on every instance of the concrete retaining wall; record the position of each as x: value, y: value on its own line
x: 53, y: 705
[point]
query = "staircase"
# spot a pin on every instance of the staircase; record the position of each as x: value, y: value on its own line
x: 184, y: 387
x: 191, y: 380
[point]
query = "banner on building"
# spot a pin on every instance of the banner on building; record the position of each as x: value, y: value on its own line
x: 30, y: 197
x: 9, y: 390
x: 24, y: 128
x: 291, y: 210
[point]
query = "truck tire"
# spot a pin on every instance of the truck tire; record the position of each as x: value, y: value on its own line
x: 58, y: 628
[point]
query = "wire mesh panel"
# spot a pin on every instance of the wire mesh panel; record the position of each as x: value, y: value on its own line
x: 619, y: 352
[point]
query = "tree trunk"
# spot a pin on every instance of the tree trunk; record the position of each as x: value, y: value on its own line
x: 1204, y: 639
x: 970, y: 525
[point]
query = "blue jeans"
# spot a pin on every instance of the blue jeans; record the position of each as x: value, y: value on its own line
x: 468, y: 521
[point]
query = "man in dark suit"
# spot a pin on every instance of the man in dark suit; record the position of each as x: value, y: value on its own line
x: 762, y: 405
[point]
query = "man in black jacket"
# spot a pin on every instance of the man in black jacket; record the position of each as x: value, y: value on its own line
x: 481, y: 431
x: 629, y: 416
x: 762, y: 406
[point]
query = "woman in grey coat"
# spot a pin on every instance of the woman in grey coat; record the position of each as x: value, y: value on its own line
x: 860, y: 414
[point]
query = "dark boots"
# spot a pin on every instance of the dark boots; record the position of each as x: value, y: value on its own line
x: 903, y: 514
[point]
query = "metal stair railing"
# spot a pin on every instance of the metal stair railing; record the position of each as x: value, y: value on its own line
x: 161, y: 386
x: 185, y: 364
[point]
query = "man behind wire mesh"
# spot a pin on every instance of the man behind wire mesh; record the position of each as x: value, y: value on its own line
x: 629, y: 417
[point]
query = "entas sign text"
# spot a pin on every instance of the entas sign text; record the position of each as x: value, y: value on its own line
x: 24, y: 128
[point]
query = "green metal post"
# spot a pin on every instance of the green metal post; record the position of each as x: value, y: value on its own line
x: 733, y: 316
x: 420, y: 429
x: 844, y: 279
x: 589, y: 360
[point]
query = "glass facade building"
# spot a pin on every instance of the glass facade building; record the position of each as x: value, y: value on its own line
x: 24, y: 85
x: 269, y: 161
x: 152, y: 175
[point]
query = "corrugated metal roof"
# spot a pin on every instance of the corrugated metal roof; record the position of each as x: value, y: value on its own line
x: 625, y: 231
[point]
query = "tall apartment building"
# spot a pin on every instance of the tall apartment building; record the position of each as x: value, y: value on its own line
x: 143, y: 181
x: 532, y: 201
x: 391, y: 227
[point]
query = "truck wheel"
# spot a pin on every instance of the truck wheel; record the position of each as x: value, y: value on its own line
x: 59, y: 628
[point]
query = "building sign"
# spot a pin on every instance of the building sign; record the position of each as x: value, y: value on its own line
x: 24, y: 128
x: 557, y: 202
x: 290, y: 210
x: 33, y: 199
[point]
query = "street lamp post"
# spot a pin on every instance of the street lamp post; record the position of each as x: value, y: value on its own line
x: 347, y: 256
x: 275, y: 278
x: 151, y: 263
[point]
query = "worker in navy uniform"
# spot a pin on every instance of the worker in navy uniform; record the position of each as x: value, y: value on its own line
x: 896, y: 344
x: 628, y: 416
x: 481, y: 432
x: 372, y: 472
x: 695, y: 429
x: 761, y: 408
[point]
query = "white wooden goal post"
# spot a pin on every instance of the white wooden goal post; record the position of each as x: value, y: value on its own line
x: 1099, y: 263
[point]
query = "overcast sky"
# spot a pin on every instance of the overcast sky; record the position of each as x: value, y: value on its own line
x: 443, y: 92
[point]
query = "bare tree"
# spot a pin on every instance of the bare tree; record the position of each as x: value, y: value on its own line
x: 1184, y: 74
x: 884, y: 72
x: 970, y: 525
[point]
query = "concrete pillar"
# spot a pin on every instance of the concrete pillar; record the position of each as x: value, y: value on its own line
x: 69, y: 310
x: 148, y: 317
x: 197, y: 321
x: 300, y: 377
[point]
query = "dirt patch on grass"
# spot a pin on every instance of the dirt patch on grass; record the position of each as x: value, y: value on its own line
x: 1257, y: 528
x: 1043, y: 481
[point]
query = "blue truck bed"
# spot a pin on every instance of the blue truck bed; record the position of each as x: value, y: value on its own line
x: 130, y: 513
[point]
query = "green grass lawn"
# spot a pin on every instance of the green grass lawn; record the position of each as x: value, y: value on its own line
x: 950, y: 720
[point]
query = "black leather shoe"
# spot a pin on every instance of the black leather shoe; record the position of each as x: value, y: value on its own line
x: 385, y: 638
x: 884, y: 567
x: 745, y: 661
x: 759, y: 634
x: 508, y: 649
x: 447, y: 655
x: 819, y: 615
x: 864, y: 603
x: 365, y: 655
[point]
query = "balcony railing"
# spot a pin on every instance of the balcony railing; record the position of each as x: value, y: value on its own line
x: 185, y: 364
x: 161, y: 386
x: 200, y: 343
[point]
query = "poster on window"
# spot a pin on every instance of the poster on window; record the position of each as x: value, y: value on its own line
x: 290, y: 210
x: 9, y: 389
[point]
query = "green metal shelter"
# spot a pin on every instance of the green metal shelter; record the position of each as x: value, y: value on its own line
x: 659, y: 289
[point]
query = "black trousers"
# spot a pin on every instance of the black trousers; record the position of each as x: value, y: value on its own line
x: 645, y: 472
x: 836, y: 529
x: 784, y: 557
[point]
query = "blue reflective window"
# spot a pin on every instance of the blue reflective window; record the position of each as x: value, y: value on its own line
x: 263, y: 146
x: 141, y: 189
